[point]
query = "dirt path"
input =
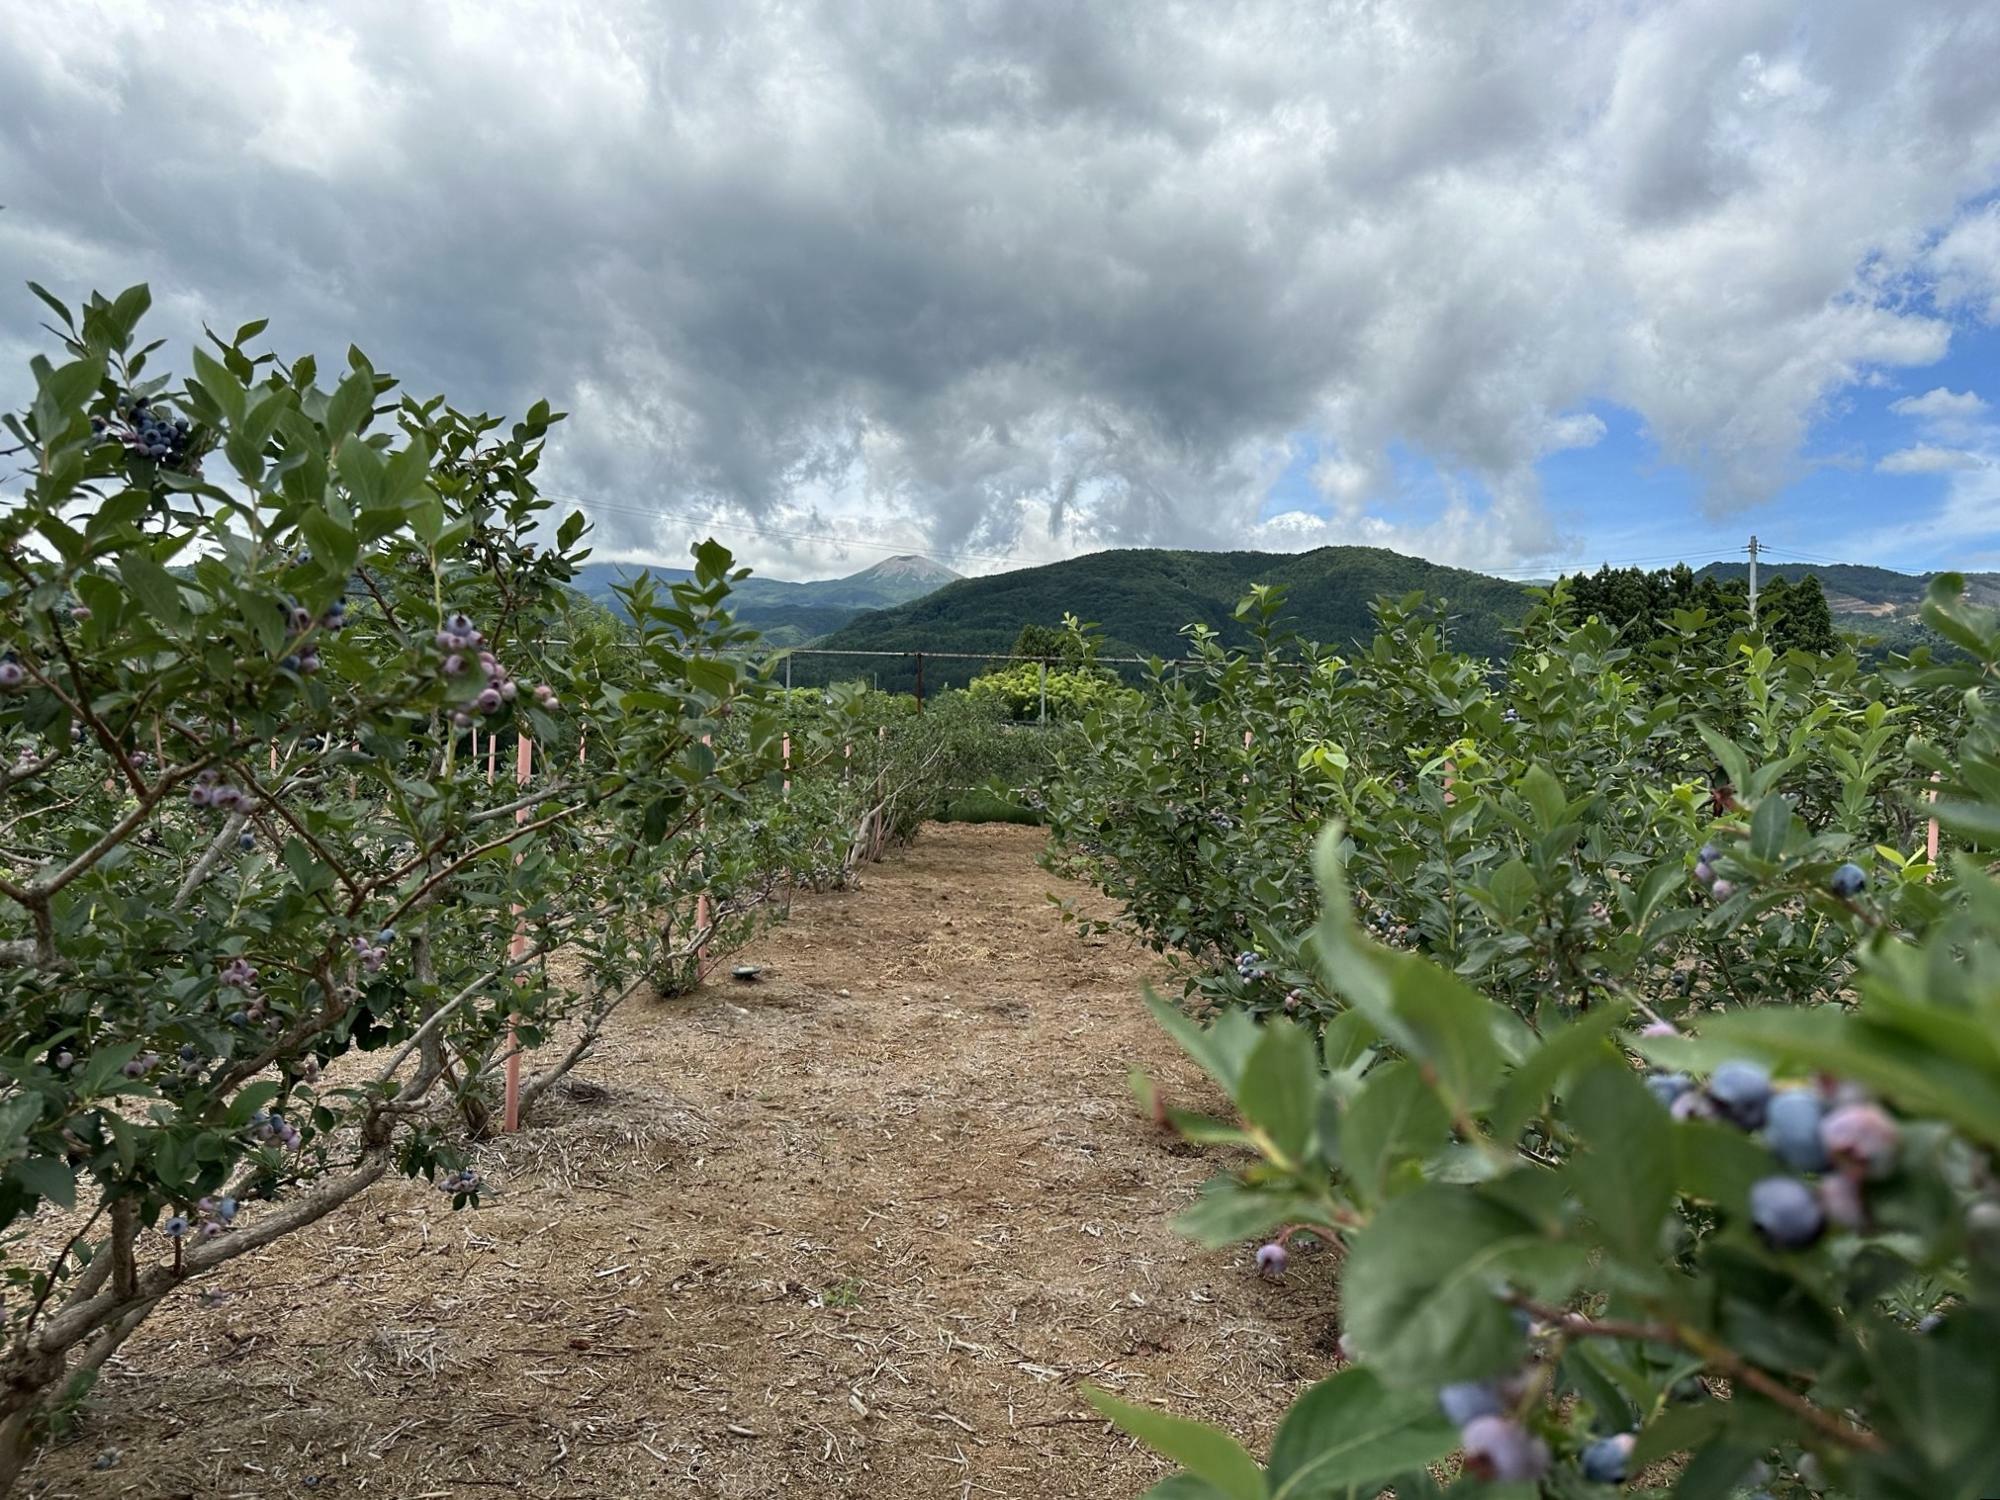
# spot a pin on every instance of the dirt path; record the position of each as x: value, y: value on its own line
x: 859, y: 1229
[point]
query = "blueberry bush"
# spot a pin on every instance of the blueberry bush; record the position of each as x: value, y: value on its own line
x: 1644, y: 1079
x: 277, y: 915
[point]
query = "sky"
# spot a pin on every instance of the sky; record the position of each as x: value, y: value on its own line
x: 1519, y: 288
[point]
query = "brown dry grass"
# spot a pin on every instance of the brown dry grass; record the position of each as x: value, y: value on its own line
x: 858, y: 1229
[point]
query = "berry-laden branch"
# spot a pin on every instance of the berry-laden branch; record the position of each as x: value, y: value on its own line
x: 1716, y: 1357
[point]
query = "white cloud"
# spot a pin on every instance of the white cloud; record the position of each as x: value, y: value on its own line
x: 1026, y: 279
x: 1965, y: 263
x: 1940, y: 405
x: 1927, y: 459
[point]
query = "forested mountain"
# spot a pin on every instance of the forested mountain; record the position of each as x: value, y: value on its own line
x: 1142, y: 598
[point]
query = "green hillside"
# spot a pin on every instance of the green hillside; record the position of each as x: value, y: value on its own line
x: 1878, y: 604
x: 1141, y: 599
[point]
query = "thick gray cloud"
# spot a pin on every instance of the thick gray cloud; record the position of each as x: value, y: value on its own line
x: 1027, y: 277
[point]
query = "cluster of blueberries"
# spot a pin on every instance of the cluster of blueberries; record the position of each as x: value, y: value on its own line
x: 373, y: 955
x: 145, y: 433
x: 268, y: 1129
x: 1834, y: 1132
x: 211, y: 791
x: 1249, y: 967
x: 1847, y: 882
x: 305, y: 661
x: 241, y: 975
x: 212, y: 1217
x: 459, y: 1180
x: 458, y: 637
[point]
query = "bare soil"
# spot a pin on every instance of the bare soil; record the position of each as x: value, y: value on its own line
x: 859, y: 1228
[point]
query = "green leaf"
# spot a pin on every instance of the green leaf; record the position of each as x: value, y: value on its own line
x: 223, y: 388
x: 1279, y: 1091
x: 1395, y: 1116
x: 1545, y: 794
x: 1353, y: 1432
x: 1221, y: 1049
x: 1511, y: 888
x: 1735, y: 764
x: 1624, y: 1177
x: 65, y: 390
x: 60, y: 310
x: 407, y: 470
x: 47, y: 1177
x: 1206, y: 1452
x: 1773, y: 820
x: 1184, y: 1487
x: 1420, y: 1289
x: 154, y: 587
x: 352, y: 401
x: 1228, y: 1212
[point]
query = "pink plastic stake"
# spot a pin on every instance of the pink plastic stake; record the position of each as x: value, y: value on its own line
x: 1931, y: 837
x: 1449, y: 767
x: 524, y: 752
x: 788, y: 764
x: 847, y: 760
x: 1246, y: 751
x: 701, y: 924
x: 492, y: 754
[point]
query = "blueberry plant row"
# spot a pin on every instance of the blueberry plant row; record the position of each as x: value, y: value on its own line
x: 1606, y: 1019
x: 271, y: 930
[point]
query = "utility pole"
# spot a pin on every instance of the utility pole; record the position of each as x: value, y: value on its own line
x: 1753, y: 582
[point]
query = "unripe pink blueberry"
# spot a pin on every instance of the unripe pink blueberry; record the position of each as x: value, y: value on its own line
x: 488, y: 702
x: 1723, y: 889
x: 301, y: 618
x: 1861, y: 1137
x: 79, y: 612
x: 509, y: 691
x: 1659, y: 1028
x: 12, y: 676
x: 461, y: 718
x: 1271, y: 1259
x: 1501, y: 1448
x: 198, y: 796
x: 454, y: 664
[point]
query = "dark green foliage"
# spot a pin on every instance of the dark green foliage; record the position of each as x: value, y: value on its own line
x: 1444, y: 1070
x: 1142, y: 599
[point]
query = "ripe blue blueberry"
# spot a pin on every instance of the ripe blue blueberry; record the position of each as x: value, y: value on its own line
x: 1709, y: 854
x: 65, y: 1059
x: 1704, y: 873
x: 1786, y: 1213
x: 1500, y: 1448
x: 1791, y: 1130
x: 1848, y: 881
x: 1742, y: 1092
x: 174, y: 1227
x: 246, y: 840
x: 1667, y: 1087
x: 1467, y: 1399
x: 385, y: 937
x: 12, y: 676
x: 1606, y: 1460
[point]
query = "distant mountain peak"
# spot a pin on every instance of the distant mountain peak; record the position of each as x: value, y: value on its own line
x: 908, y: 565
